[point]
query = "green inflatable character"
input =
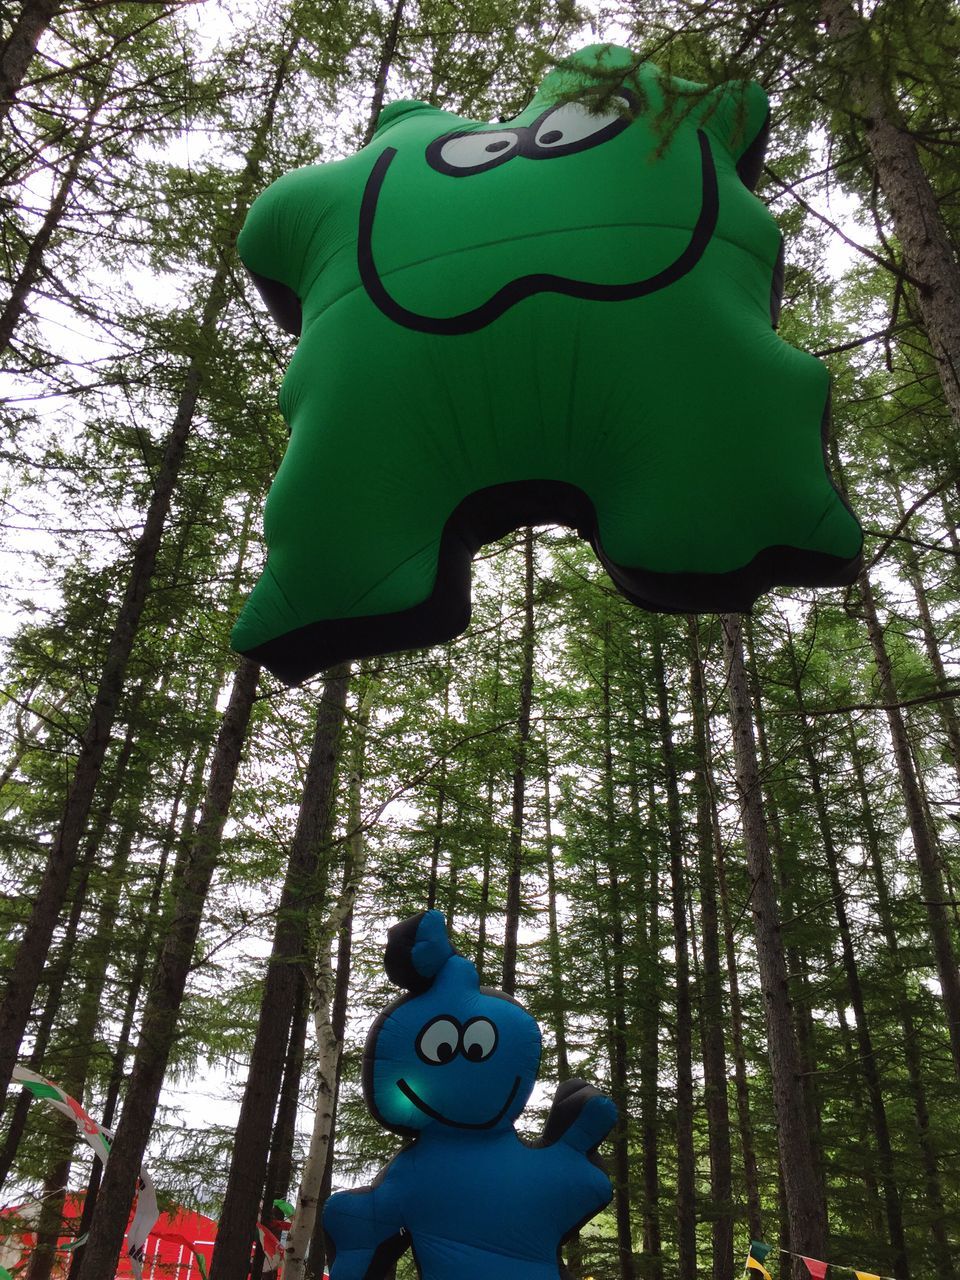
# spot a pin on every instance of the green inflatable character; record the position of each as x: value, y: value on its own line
x: 563, y: 318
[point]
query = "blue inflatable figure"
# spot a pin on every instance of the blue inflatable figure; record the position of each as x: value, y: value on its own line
x: 452, y: 1064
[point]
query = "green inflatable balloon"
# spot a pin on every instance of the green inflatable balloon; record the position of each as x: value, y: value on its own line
x: 566, y: 317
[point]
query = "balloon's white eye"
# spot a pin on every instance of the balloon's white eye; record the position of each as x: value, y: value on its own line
x: 479, y: 1039
x: 472, y: 150
x: 572, y: 124
x: 439, y: 1040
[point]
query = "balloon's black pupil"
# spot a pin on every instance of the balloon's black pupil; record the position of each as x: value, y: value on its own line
x: 475, y: 1052
x: 497, y: 146
x: 444, y: 1051
x: 554, y: 135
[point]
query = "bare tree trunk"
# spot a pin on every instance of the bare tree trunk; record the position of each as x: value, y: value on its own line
x: 298, y: 902
x: 163, y: 1004
x: 650, y: 984
x: 323, y: 983
x: 931, y: 880
x: 28, y: 964
x: 927, y: 252
x: 806, y: 1210
x: 686, y: 1158
x: 943, y: 1251
x: 867, y: 1056
x: 515, y: 847
x: 33, y: 262
x: 711, y: 999
x: 31, y: 22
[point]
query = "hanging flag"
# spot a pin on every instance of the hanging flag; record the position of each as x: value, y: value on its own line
x: 5, y: 1274
x: 272, y: 1253
x: 147, y: 1210
x: 817, y: 1269
x: 758, y: 1266
x: 866, y: 1275
x: 177, y: 1238
x: 755, y: 1257
x: 284, y: 1206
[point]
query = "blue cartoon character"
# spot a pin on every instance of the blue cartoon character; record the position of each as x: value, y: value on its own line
x: 452, y: 1065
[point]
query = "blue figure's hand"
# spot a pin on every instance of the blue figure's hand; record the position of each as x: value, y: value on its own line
x: 580, y: 1116
x: 363, y: 1232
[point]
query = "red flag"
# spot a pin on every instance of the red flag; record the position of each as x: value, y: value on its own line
x: 817, y: 1269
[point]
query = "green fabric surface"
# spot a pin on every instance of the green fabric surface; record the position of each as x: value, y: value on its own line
x: 692, y: 427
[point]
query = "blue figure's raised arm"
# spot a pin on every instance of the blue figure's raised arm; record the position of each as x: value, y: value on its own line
x: 364, y: 1232
x: 580, y: 1116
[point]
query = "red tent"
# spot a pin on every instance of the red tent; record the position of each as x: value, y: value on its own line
x: 168, y: 1252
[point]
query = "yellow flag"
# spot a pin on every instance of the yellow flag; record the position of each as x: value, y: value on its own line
x: 865, y: 1275
x: 758, y: 1266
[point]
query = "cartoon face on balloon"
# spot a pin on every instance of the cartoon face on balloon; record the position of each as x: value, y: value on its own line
x: 567, y: 317
x: 456, y: 1056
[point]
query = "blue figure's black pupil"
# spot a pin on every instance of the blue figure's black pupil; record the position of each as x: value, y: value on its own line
x: 474, y: 1052
x: 554, y: 135
x: 444, y: 1051
x: 497, y: 146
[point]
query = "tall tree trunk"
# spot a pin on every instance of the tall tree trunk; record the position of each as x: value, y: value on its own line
x: 931, y: 880
x: 436, y: 840
x: 557, y: 1003
x: 686, y: 1157
x: 298, y: 901
x: 867, y: 1055
x: 32, y: 951
x: 711, y: 999
x: 910, y: 1040
x: 329, y: 1047
x: 806, y: 1210
x: 388, y: 51
x: 515, y: 845
x: 163, y: 1003
x: 650, y: 984
x: 144, y: 950
x: 924, y: 241
x: 946, y: 708
x: 33, y: 262
x: 280, y: 1160
x: 31, y: 22
x: 798, y: 966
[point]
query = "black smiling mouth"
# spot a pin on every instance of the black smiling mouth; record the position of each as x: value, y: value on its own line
x: 457, y: 1124
x: 525, y: 286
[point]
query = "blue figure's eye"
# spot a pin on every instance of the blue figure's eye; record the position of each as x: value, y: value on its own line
x: 479, y: 1039
x: 439, y: 1041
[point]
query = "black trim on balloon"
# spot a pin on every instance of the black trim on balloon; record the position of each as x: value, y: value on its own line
x: 750, y: 164
x: 281, y: 301
x: 541, y: 282
x: 491, y: 513
x: 776, y: 285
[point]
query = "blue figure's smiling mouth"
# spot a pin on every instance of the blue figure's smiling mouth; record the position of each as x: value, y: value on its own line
x: 524, y: 287
x: 458, y: 1124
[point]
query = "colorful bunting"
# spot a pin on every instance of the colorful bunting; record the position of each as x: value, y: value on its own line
x: 817, y: 1269
x: 758, y: 1266
x: 285, y: 1207
x: 758, y: 1252
x: 5, y: 1274
x: 147, y: 1211
x: 272, y: 1253
x: 177, y: 1238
